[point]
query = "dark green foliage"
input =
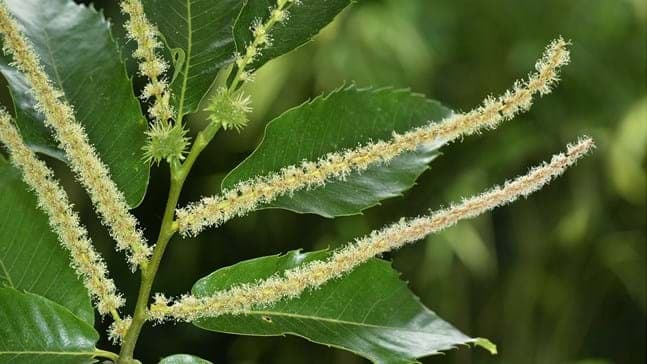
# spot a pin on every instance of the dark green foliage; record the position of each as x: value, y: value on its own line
x: 37, y: 330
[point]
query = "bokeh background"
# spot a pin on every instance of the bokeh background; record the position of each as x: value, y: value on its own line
x: 557, y: 278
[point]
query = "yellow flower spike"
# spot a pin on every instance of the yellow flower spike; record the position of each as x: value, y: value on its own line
x: 152, y: 65
x: 53, y: 200
x: 118, y: 329
x: 93, y: 174
x: 262, y: 39
x: 214, y: 211
x: 239, y: 299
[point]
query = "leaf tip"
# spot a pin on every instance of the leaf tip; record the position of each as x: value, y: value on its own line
x: 487, y: 345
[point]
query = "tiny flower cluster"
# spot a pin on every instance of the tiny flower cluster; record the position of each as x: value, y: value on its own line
x: 247, y: 195
x: 228, y: 110
x: 294, y: 282
x: 53, y: 200
x: 151, y: 65
x: 89, y: 169
x: 118, y: 329
x: 261, y: 32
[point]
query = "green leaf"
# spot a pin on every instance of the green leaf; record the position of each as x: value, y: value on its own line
x: 80, y: 56
x: 304, y: 22
x: 370, y: 312
x: 183, y: 359
x: 31, y: 258
x: 344, y: 119
x: 37, y: 330
x: 200, y: 34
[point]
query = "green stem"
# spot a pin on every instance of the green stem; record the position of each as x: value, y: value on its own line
x: 148, y: 274
x: 105, y: 354
x: 179, y: 174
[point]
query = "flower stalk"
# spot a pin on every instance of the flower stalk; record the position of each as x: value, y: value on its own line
x: 293, y: 282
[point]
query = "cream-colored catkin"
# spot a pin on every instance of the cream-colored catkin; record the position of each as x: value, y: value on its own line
x: 247, y: 195
x: 151, y: 64
x: 261, y: 38
x: 118, y: 329
x: 93, y: 174
x: 53, y: 200
x: 293, y: 282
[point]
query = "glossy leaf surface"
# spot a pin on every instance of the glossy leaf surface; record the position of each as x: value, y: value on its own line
x: 183, y: 359
x: 37, y: 330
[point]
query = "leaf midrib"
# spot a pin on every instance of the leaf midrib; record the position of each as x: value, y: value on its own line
x: 6, y: 274
x: 52, y: 62
x: 331, y: 320
x: 187, y: 61
x: 62, y: 353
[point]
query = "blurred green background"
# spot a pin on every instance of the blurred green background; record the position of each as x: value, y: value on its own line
x: 557, y: 278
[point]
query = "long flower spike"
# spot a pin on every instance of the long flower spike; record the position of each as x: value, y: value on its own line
x: 151, y: 65
x: 293, y: 282
x: 214, y: 211
x: 89, y: 169
x: 53, y: 200
x: 261, y: 39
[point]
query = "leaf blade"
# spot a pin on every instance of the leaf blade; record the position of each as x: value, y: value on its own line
x: 35, y: 329
x: 369, y: 312
x: 183, y: 359
x: 203, y: 31
x: 80, y: 56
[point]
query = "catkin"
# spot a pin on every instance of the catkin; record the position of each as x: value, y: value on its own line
x: 151, y: 65
x: 93, y: 174
x: 261, y: 39
x: 243, y: 298
x: 53, y: 200
x: 118, y: 329
x: 247, y: 195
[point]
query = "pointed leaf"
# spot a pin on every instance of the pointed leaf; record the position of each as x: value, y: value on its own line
x: 31, y: 258
x: 304, y: 22
x: 37, y: 330
x: 199, y: 33
x: 183, y: 359
x: 344, y: 119
x: 370, y: 312
x: 80, y: 56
